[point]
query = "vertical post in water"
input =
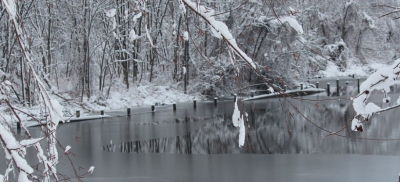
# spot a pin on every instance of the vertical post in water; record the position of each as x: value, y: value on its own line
x: 194, y: 103
x: 301, y: 86
x: 317, y: 84
x: 358, y: 85
x: 252, y: 93
x: 328, y: 89
x: 337, y: 87
x: 153, y: 108
x: 102, y: 112
x: 174, y: 106
x: 128, y: 111
x: 78, y: 114
x: 215, y: 100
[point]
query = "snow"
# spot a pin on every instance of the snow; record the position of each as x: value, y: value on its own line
x: 146, y: 94
x: 110, y: 13
x: 114, y: 21
x: 181, y: 6
x: 292, y: 22
x: 275, y: 94
x: 219, y: 29
x: 10, y: 5
x: 21, y: 162
x: 8, y: 138
x: 136, y: 17
x: 355, y: 124
x: 185, y: 36
x: 56, y: 111
x: 369, y: 20
x: 148, y: 36
x: 67, y: 148
x: 132, y: 35
x: 382, y: 79
x: 91, y: 169
x: 237, y: 120
x: 332, y: 70
x: 184, y: 70
x: 30, y: 142
x: 23, y: 177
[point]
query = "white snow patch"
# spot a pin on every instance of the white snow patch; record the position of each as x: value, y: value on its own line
x: 185, y: 36
x: 148, y: 36
x: 237, y: 120
x: 184, y: 70
x: 369, y: 20
x: 91, y: 169
x: 10, y: 5
x: 292, y: 22
x: 67, y: 148
x: 382, y: 79
x: 132, y: 35
x: 136, y: 17
x: 30, y: 142
x: 110, y: 13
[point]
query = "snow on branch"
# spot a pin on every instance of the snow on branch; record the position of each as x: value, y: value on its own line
x: 291, y: 21
x: 238, y: 121
x: 219, y: 29
x: 382, y: 79
x: 15, y: 150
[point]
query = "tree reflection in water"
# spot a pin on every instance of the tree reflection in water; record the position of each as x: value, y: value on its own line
x: 267, y: 133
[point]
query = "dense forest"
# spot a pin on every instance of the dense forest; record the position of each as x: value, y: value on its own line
x: 86, y: 51
x: 87, y: 48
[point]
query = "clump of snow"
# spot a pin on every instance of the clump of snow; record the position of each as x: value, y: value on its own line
x: 132, y: 35
x: 181, y: 6
x: 91, y: 169
x: 110, y: 13
x: 291, y: 21
x: 185, y: 36
x: 136, y: 17
x: 7, y: 137
x: 10, y: 5
x: 382, y: 79
x: 56, y: 111
x: 67, y: 148
x: 184, y: 70
x: 30, y: 142
x: 369, y: 20
x: 148, y: 36
x: 238, y: 121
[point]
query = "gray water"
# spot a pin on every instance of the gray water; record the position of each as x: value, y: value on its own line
x: 202, y: 145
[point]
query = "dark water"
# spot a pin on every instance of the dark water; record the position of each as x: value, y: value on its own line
x: 276, y: 129
x: 202, y: 145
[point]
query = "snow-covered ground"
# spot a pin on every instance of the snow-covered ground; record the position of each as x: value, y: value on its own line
x: 332, y: 70
x: 141, y: 95
x: 119, y: 99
